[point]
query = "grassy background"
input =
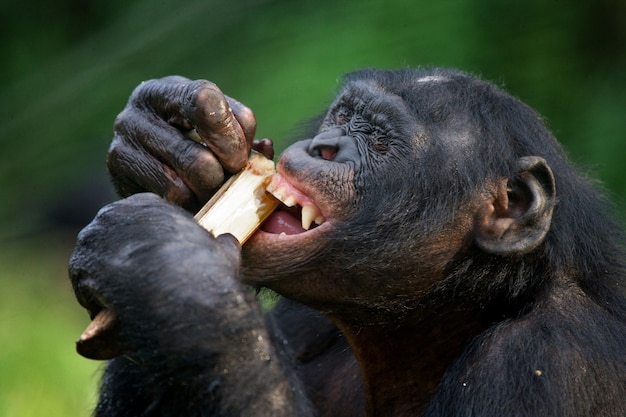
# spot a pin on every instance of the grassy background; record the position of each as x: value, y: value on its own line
x: 40, y: 375
x: 68, y: 67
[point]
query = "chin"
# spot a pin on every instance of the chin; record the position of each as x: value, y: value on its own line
x: 269, y: 256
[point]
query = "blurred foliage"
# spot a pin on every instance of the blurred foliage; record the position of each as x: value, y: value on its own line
x: 68, y: 67
x: 40, y: 374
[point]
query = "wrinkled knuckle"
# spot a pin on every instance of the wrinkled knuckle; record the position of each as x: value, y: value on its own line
x: 213, y: 175
x: 123, y: 120
x: 154, y: 95
x: 185, y: 155
x: 112, y: 160
x: 204, y: 99
x: 244, y: 114
x: 204, y: 170
x: 116, y: 153
x: 141, y: 92
x: 201, y: 89
x: 117, y: 163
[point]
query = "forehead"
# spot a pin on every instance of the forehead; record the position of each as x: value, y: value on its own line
x: 419, y: 108
x: 370, y: 96
x: 428, y: 97
x: 377, y: 104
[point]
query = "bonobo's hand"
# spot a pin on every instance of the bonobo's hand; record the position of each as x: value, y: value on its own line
x: 194, y: 340
x: 152, y: 149
x: 170, y: 286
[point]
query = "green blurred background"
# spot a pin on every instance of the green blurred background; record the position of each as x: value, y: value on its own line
x: 68, y: 66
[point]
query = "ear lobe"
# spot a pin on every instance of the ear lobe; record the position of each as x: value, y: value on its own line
x: 518, y: 218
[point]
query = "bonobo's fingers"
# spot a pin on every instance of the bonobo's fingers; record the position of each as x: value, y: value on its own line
x: 264, y: 147
x: 245, y: 117
x: 151, y: 155
x: 144, y: 264
x: 133, y: 170
x: 202, y: 106
x: 151, y: 148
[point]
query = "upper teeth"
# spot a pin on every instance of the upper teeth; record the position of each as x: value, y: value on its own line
x: 290, y: 196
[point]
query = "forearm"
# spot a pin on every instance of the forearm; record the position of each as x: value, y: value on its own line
x: 252, y: 383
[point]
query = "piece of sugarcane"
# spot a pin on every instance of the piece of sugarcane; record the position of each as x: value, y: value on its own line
x: 241, y: 204
x: 238, y: 207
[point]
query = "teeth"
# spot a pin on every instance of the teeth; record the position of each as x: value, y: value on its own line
x: 289, y: 201
x: 290, y: 197
x: 274, y: 185
x: 311, y: 214
x: 308, y: 215
x: 281, y: 194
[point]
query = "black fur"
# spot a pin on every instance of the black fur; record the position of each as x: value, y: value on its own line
x: 440, y: 324
x: 194, y: 339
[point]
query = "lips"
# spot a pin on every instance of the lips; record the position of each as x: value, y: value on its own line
x: 299, y: 213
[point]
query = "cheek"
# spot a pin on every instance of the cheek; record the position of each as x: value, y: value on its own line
x: 276, y: 265
x: 444, y: 247
x: 335, y: 193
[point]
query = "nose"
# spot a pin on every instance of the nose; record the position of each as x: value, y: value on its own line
x: 333, y: 145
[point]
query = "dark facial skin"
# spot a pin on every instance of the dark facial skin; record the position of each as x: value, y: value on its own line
x: 355, y: 170
x: 342, y: 169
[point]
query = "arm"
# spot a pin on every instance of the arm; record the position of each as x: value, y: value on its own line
x: 192, y: 337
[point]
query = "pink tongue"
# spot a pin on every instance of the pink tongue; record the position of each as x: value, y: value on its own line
x: 281, y: 221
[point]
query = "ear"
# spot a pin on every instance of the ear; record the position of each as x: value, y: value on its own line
x: 518, y: 217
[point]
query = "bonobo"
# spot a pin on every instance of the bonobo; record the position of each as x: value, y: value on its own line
x: 458, y: 265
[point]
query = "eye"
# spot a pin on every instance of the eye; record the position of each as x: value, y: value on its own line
x: 381, y: 147
x: 381, y: 140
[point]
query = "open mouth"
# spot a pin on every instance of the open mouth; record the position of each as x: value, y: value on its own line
x: 298, y: 212
x: 100, y: 338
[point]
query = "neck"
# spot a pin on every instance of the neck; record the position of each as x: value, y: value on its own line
x: 403, y: 363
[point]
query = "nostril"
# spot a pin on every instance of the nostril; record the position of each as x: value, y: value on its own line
x: 335, y: 146
x: 326, y: 144
x: 326, y: 152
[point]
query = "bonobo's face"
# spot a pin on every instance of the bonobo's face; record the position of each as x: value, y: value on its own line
x: 361, y: 194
